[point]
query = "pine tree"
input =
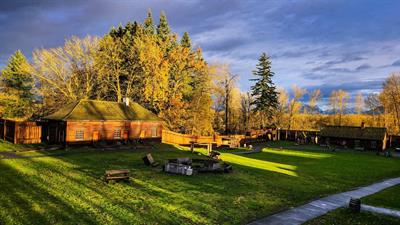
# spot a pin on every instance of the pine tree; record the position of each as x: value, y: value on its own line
x: 17, y: 84
x: 264, y: 90
x: 163, y: 29
x: 148, y: 24
x: 185, y: 41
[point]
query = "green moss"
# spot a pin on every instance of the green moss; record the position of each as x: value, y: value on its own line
x: 103, y: 110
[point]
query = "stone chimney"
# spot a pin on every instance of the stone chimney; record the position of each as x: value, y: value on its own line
x: 126, y: 101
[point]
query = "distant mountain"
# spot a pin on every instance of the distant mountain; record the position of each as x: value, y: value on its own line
x: 379, y: 110
x: 308, y: 109
x: 349, y: 110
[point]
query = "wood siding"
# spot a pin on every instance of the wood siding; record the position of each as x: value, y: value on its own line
x: 84, y: 131
x: 20, y: 132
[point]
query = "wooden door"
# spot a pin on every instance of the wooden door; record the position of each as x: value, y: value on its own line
x: 95, y: 136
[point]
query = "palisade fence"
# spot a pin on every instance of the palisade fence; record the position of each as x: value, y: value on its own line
x: 236, y: 140
x: 171, y: 137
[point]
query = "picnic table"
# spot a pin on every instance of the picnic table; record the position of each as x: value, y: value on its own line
x: 117, y: 175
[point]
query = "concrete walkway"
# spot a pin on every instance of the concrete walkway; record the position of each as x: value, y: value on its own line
x: 380, y: 210
x: 311, y: 210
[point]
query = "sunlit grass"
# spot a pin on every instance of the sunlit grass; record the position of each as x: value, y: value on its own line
x: 261, y: 164
x: 68, y: 186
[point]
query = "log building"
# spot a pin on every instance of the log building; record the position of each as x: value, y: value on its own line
x: 363, y: 138
x: 90, y: 121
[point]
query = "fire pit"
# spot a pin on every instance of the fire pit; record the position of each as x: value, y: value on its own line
x: 187, y: 166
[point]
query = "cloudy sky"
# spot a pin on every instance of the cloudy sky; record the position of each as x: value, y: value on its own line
x: 331, y: 44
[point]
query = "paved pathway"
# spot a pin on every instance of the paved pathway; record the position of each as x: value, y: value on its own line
x: 321, y: 206
x: 380, y: 210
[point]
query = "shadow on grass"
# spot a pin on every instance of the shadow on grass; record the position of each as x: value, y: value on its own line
x: 71, y: 188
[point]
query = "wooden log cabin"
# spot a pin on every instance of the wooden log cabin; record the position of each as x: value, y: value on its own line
x: 89, y: 121
x: 362, y: 138
x: 20, y: 132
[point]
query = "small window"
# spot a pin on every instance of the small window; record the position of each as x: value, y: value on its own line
x: 154, y: 132
x: 117, y: 134
x: 79, y: 135
x: 373, y: 144
x: 357, y: 143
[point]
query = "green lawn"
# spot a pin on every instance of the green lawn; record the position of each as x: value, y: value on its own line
x: 388, y: 198
x: 344, y: 216
x: 68, y: 186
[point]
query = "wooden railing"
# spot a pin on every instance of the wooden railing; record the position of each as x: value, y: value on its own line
x: 185, y: 139
x: 171, y: 137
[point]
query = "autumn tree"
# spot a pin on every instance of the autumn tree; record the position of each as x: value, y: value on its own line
x: 295, y: 104
x: 264, y: 90
x: 338, y: 101
x: 185, y: 41
x: 282, y: 109
x: 225, y: 83
x: 372, y: 103
x: 390, y: 98
x: 66, y: 74
x: 246, y: 108
x: 16, y: 85
x: 359, y: 103
x: 315, y: 96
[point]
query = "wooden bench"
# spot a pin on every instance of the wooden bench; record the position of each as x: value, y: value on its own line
x: 149, y: 160
x: 117, y: 175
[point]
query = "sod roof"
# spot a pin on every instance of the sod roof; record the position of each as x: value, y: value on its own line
x: 103, y: 110
x: 366, y: 133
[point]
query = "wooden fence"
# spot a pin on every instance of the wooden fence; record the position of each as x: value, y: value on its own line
x: 20, y: 132
x: 186, y: 139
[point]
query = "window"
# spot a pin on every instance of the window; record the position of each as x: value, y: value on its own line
x: 373, y: 144
x: 117, y: 134
x: 154, y: 132
x: 357, y: 143
x: 79, y: 135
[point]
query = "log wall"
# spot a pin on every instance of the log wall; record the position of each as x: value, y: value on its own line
x: 20, y: 132
x: 84, y: 131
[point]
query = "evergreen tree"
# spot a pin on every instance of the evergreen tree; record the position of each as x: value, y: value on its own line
x: 148, y: 24
x: 185, y: 41
x: 17, y: 84
x: 264, y: 90
x: 163, y: 29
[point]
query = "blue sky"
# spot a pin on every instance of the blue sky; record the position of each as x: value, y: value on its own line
x: 351, y: 45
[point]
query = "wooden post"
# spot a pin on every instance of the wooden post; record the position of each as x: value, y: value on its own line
x: 15, y: 132
x: 4, y: 130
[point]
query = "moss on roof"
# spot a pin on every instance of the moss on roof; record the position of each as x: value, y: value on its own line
x: 103, y: 110
x: 366, y: 133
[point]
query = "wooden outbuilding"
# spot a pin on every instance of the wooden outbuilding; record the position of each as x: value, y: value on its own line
x: 20, y: 132
x: 89, y: 121
x: 362, y: 138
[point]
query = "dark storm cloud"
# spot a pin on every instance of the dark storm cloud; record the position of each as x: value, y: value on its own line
x: 310, y: 42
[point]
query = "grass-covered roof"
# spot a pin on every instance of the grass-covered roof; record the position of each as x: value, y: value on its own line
x: 103, y: 110
x: 366, y: 133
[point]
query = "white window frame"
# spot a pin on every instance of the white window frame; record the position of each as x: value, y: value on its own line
x: 79, y: 135
x: 117, y: 135
x: 154, y: 132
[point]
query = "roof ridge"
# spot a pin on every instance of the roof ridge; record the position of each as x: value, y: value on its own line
x: 68, y: 114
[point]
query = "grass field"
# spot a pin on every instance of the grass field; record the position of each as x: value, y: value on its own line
x: 388, y: 198
x: 68, y: 186
x: 344, y: 216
